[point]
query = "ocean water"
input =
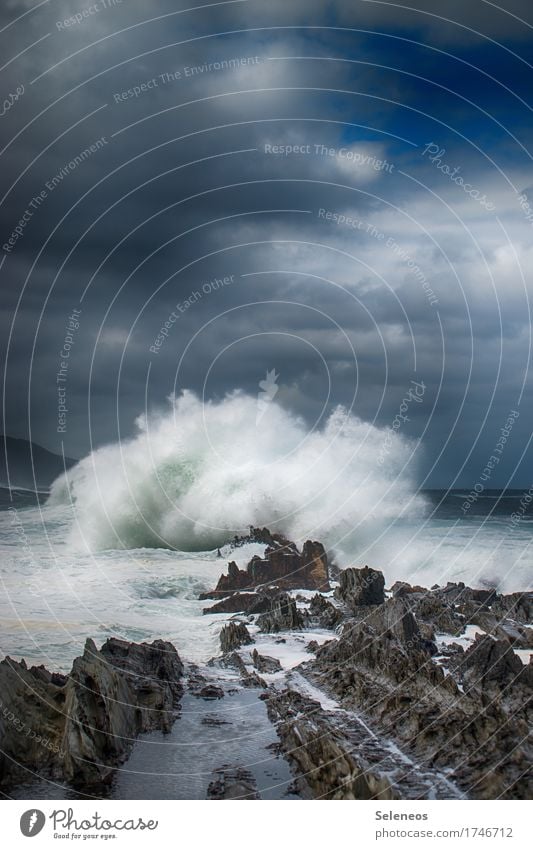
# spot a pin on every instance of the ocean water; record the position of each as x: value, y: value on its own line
x: 127, y: 540
x: 54, y: 594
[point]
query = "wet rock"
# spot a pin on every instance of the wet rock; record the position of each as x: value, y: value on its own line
x: 265, y: 664
x: 322, y: 758
x: 214, y: 721
x: 490, y: 661
x: 314, y: 567
x: 282, y: 566
x: 248, y: 603
x: 233, y: 636
x: 209, y: 692
x: 252, y: 679
x: 484, y: 597
x: 78, y: 729
x: 395, y: 617
x: 232, y: 783
x: 282, y: 616
x: 261, y: 535
x: 516, y: 635
x: 427, y: 631
x: 235, y: 661
x: 438, y: 613
x: 236, y: 579
x: 361, y: 587
x: 324, y: 614
x: 517, y: 606
x: 388, y: 674
x: 403, y: 588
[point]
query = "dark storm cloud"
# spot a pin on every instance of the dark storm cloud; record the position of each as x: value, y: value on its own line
x: 183, y: 192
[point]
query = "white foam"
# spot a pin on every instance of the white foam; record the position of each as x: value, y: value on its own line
x: 465, y: 639
x: 198, y: 473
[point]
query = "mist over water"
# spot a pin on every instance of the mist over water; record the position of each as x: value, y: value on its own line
x: 198, y: 473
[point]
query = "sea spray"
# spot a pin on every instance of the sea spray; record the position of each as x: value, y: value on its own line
x: 199, y: 473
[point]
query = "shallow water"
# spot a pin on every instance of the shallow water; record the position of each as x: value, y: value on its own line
x: 185, y: 758
x: 180, y: 765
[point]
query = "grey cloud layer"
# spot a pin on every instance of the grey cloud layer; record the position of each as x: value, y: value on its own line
x: 259, y: 214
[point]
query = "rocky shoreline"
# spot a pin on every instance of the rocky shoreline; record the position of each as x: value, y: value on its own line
x: 405, y: 693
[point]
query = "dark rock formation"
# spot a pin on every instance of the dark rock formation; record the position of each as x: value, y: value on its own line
x: 323, y: 614
x: 233, y: 636
x: 236, y: 579
x: 235, y: 661
x: 314, y: 568
x: 263, y: 663
x: 249, y: 603
x: 79, y: 728
x: 360, y: 587
x: 394, y: 617
x: 387, y: 673
x: 436, y: 610
x: 282, y: 566
x: 403, y: 588
x: 209, y: 692
x: 232, y: 783
x: 448, y: 610
x: 490, y: 661
x: 282, y: 616
x: 323, y: 760
x: 518, y: 606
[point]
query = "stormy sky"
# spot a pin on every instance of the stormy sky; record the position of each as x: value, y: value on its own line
x: 334, y: 190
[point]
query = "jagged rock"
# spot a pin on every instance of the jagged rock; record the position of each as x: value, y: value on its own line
x: 79, y: 729
x: 111, y: 697
x: 236, y: 579
x: 234, y: 635
x: 235, y: 661
x: 466, y: 601
x: 230, y: 661
x: 232, y: 783
x: 515, y: 634
x: 282, y: 566
x: 323, y: 613
x: 360, y: 587
x: 518, y: 606
x: 248, y: 603
x: 484, y: 597
x: 260, y: 535
x: 395, y: 617
x: 435, y: 611
x: 453, y: 592
x: 490, y: 661
x: 265, y: 664
x: 282, y: 616
x: 314, y: 567
x: 252, y: 679
x: 324, y: 761
x: 209, y: 692
x: 403, y: 588
x: 427, y: 631
x: 388, y: 674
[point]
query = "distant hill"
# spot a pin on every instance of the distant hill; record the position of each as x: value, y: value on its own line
x: 26, y: 472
